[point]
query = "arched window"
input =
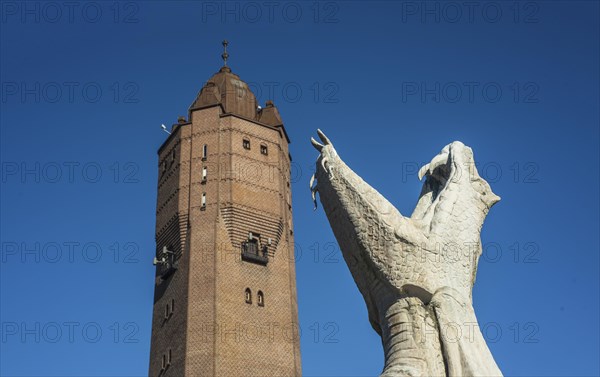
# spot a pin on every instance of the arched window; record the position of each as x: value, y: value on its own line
x: 261, y: 298
x: 248, y: 295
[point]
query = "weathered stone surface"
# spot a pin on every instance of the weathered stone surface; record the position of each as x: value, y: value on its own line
x: 415, y: 273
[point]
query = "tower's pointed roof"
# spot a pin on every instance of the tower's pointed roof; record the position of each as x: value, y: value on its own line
x: 227, y: 89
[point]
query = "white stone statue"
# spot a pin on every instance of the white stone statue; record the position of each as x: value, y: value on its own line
x: 415, y: 273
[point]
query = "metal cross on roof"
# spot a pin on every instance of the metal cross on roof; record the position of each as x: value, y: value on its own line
x: 225, y: 55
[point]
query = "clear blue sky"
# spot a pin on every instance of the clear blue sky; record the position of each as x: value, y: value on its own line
x: 85, y: 89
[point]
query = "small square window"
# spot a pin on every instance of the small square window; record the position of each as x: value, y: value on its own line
x: 264, y: 150
x: 246, y: 143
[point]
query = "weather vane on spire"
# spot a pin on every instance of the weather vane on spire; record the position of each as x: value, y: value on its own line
x: 225, y: 55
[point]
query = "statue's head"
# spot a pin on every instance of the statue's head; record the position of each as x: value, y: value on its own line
x: 452, y: 175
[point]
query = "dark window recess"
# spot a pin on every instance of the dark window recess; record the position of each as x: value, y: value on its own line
x: 169, y: 309
x: 166, y: 263
x: 252, y: 252
x: 248, y: 296
x: 261, y: 298
x: 264, y: 150
x: 204, y: 152
x: 246, y: 144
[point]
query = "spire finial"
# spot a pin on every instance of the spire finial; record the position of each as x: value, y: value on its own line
x: 225, y: 55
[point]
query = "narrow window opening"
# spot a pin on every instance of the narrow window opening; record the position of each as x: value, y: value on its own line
x: 248, y: 295
x: 169, y: 309
x: 169, y: 358
x: 260, y: 298
x: 246, y: 144
x: 264, y: 150
x: 204, y: 152
x: 203, y: 201
x: 204, y: 174
x: 164, y: 362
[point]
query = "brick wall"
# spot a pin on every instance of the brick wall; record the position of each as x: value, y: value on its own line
x: 212, y: 330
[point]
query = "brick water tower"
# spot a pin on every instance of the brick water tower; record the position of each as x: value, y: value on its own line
x: 225, y: 287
